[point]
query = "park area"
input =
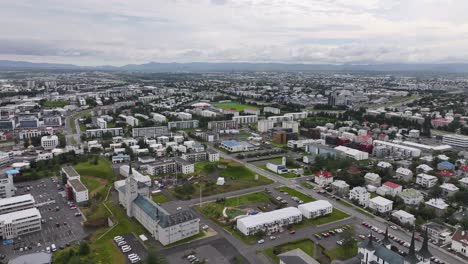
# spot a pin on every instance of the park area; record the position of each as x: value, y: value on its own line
x: 234, y: 106
x: 236, y: 176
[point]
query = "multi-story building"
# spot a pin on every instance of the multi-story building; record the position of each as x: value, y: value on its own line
x: 411, y: 197
x: 425, y: 180
x: 315, y: 209
x: 272, y: 110
x: 49, y: 142
x: 52, y: 121
x: 455, y: 140
x: 236, y: 146
x: 28, y: 122
x: 294, y: 125
x: 150, y: 132
x: 247, y: 119
x: 223, y: 125
x: 404, y: 217
x: 340, y: 188
x: 449, y: 189
x: 353, y: 153
x: 183, y: 124
x: 397, y: 149
x: 7, y: 188
x: 361, y: 195
x: 297, y: 116
x: 193, y: 157
x: 323, y: 178
x: 437, y: 232
x: 101, y: 123
x: 265, y: 125
x: 19, y: 223
x: 439, y: 206
x: 372, y: 179
x: 269, y: 222
x: 16, y: 203
x: 4, y: 158
x: 118, y: 131
x: 165, y: 227
x: 80, y: 192
x: 159, y: 118
x: 389, y: 188
x: 380, y: 204
x: 404, y: 174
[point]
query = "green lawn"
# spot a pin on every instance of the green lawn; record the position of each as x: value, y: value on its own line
x: 102, y: 170
x: 373, y: 195
x: 90, y: 182
x: 305, y: 245
x: 73, y: 141
x: 54, y: 104
x: 334, y: 216
x: 342, y: 253
x: 160, y: 198
x: 294, y: 193
x: 307, y: 185
x: 83, y: 128
x: 362, y: 211
x: 237, y: 177
x: 284, y: 175
x: 234, y: 106
x: 345, y: 203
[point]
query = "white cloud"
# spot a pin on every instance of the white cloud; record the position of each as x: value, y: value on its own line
x: 96, y: 32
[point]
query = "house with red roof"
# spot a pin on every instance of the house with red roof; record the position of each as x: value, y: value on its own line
x: 323, y: 178
x: 446, y: 175
x: 462, y: 171
x: 440, y: 122
x: 389, y: 188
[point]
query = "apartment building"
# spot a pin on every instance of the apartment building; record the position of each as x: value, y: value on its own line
x: 425, y: 180
x: 16, y: 203
x: 183, y: 124
x: 247, y: 119
x: 49, y: 142
x: 380, y: 204
x: 315, y: 209
x: 19, y: 223
x: 269, y: 222
x: 455, y: 140
x: 150, y: 132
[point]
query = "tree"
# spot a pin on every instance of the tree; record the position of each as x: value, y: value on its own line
x: 348, y: 237
x: 84, y: 248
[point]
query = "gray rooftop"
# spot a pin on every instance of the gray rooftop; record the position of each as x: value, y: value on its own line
x: 70, y: 171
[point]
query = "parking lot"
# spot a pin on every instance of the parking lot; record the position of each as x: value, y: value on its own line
x: 59, y: 227
x: 136, y: 247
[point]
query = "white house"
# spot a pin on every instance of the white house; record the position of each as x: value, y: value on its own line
x: 449, y: 189
x: 380, y: 204
x: 323, y: 178
x: 315, y: 209
x: 438, y: 205
x: 404, y: 217
x: 404, y: 174
x: 460, y: 242
x: 389, y: 188
x: 426, y: 180
x: 361, y: 195
x: 411, y: 196
x: 372, y: 179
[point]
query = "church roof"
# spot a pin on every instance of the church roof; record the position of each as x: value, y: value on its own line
x: 388, y: 255
x: 424, y: 251
x: 411, y: 257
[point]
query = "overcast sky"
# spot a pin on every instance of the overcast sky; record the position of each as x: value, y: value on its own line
x: 118, y: 32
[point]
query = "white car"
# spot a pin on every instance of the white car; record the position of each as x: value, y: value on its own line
x: 121, y: 243
x: 48, y: 249
x: 272, y: 238
x: 118, y: 238
x: 132, y: 255
x: 179, y: 208
x: 126, y: 250
x: 261, y: 241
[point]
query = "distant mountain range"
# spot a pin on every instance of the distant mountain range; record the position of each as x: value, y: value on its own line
x: 239, y: 67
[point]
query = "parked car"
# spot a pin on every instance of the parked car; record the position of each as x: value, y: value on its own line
x: 261, y: 241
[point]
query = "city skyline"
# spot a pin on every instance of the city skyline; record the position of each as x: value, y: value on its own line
x: 314, y: 32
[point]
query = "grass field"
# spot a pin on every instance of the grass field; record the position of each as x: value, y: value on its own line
x: 342, y: 253
x: 102, y: 170
x: 236, y: 175
x: 160, y: 198
x: 73, y: 141
x: 307, y: 185
x: 54, y: 104
x: 304, y: 197
x: 72, y: 125
x: 83, y: 128
x: 234, y: 106
x: 305, y: 245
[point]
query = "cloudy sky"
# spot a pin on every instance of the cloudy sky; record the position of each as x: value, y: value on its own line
x: 118, y: 32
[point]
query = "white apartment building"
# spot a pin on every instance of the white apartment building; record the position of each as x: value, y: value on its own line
x: 404, y: 217
x: 101, y: 123
x: 19, y: 223
x: 272, y: 110
x: 393, y: 148
x: 4, y: 158
x: 411, y: 196
x: 425, y: 180
x: 353, y: 153
x: 380, y: 204
x: 449, y: 189
x: 270, y: 222
x: 149, y: 132
x: 315, y: 209
x: 158, y: 117
x: 183, y: 124
x: 389, y: 188
x: 7, y: 188
x: 184, y: 116
x: 439, y: 205
x: 294, y: 125
x: 247, y: 119
x: 361, y: 195
x: 372, y: 179
x: 278, y: 119
x: 265, y: 125
x: 80, y: 192
x: 16, y: 203
x: 297, y: 116
x: 455, y: 140
x: 49, y: 142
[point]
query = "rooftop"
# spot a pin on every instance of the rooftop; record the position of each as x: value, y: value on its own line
x: 77, y: 185
x: 70, y: 171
